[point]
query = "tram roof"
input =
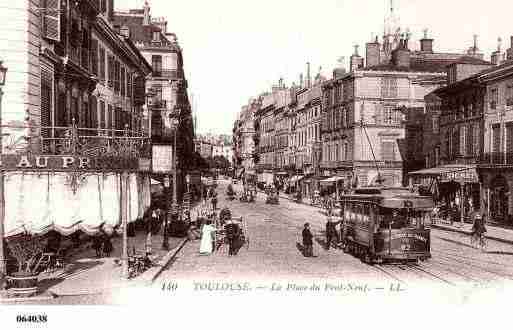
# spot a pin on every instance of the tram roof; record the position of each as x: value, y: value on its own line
x: 397, y: 198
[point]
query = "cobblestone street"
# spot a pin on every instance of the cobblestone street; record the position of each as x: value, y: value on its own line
x: 274, y: 231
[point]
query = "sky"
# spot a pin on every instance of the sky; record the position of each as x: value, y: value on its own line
x: 236, y: 49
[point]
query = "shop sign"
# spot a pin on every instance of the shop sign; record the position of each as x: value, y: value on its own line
x: 469, y: 175
x: 162, y: 156
x: 145, y: 164
x: 67, y: 163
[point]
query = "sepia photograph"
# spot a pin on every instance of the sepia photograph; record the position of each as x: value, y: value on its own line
x: 204, y: 153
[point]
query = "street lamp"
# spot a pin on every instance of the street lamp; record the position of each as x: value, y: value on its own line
x: 3, y: 73
x: 174, y: 207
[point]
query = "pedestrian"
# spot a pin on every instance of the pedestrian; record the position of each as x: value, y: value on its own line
x: 204, y: 195
x: 214, y: 200
x: 232, y: 230
x: 307, y: 241
x: 331, y: 231
x: 207, y: 238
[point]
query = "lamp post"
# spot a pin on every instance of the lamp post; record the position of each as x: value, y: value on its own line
x: 174, y: 206
x: 3, y: 72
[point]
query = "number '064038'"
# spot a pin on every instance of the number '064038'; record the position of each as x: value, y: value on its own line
x: 31, y: 318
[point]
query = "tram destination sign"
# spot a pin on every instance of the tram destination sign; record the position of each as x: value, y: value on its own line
x: 66, y: 163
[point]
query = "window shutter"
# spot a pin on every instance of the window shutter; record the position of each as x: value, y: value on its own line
x: 46, y: 100
x: 52, y: 20
x: 102, y: 114
x: 94, y: 112
x: 94, y: 56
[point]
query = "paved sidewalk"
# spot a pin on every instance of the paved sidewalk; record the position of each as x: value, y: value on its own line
x: 84, y: 274
x: 494, y: 233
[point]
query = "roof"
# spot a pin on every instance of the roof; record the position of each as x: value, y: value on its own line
x: 471, y: 60
x: 426, y: 64
x: 140, y: 33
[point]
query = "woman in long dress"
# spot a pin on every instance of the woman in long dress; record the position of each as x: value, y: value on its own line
x: 207, y: 238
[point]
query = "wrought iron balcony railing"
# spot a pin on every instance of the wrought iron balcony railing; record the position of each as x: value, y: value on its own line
x: 87, y: 142
x: 496, y: 158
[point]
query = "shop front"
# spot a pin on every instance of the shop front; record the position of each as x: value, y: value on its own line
x: 497, y: 199
x: 93, y: 185
x: 453, y: 187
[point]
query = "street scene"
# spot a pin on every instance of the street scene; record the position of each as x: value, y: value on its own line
x: 274, y: 158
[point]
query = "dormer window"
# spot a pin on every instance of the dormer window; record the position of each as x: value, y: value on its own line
x: 156, y: 36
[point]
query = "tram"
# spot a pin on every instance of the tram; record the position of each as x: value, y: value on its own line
x: 386, y: 225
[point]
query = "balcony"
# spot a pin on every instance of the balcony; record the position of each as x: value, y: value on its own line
x: 168, y: 74
x: 496, y: 158
x: 76, y: 141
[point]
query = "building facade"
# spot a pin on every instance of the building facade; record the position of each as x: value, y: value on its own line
x: 166, y: 86
x: 76, y: 95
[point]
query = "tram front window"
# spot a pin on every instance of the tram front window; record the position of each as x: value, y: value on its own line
x: 401, y: 218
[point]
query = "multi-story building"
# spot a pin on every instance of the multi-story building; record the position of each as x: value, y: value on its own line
x: 496, y: 166
x: 265, y: 120
x: 336, y: 149
x: 245, y: 138
x: 167, y: 84
x: 75, y: 93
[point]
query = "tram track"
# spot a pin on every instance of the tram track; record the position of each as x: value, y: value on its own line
x: 498, y: 274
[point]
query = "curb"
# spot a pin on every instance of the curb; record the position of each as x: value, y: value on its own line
x: 42, y: 297
x: 468, y: 233
x: 151, y: 275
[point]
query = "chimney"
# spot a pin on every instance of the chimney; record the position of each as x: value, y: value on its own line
x: 474, y: 50
x: 340, y: 70
x: 356, y: 60
x: 509, y: 52
x: 426, y: 44
x: 401, y: 55
x: 497, y: 56
x: 308, y: 76
x: 301, y: 81
x: 147, y: 17
x: 372, y: 53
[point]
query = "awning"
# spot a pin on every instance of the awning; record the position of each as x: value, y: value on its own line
x: 296, y: 178
x: 282, y: 173
x: 332, y: 180
x: 153, y: 181
x: 455, y: 172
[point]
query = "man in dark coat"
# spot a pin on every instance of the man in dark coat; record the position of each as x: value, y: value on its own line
x: 331, y: 230
x: 307, y: 241
x: 232, y: 230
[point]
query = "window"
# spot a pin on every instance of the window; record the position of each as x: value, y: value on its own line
x: 494, y: 98
x: 102, y: 63
x: 156, y: 63
x: 388, y: 150
x: 463, y: 138
x: 509, y: 138
x: 436, y: 124
x: 94, y: 56
x: 388, y: 88
x: 390, y: 115
x: 122, y: 81
x: 470, y: 140
x: 156, y: 36
x: 51, y: 26
x: 496, y: 135
x: 509, y: 95
x: 102, y: 114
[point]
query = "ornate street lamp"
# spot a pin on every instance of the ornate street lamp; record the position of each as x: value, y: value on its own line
x: 3, y: 73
